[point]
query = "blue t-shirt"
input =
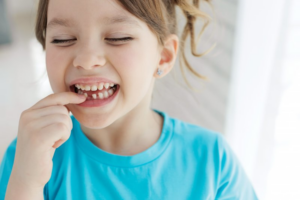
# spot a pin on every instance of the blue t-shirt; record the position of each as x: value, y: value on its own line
x: 187, y: 162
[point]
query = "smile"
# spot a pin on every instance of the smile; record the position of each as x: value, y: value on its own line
x: 96, y: 95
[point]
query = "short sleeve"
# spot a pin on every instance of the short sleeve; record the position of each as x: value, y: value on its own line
x: 6, y: 168
x: 233, y: 183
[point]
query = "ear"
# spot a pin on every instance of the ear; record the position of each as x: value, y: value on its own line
x: 168, y: 54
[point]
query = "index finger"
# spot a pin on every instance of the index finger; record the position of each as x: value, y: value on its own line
x: 61, y: 98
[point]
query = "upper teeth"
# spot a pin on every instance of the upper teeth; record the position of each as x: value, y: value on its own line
x: 95, y: 87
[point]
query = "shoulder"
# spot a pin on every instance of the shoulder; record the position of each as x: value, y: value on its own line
x: 202, y: 141
x: 6, y: 166
x: 8, y: 157
x: 212, y: 148
x: 204, y: 144
x: 192, y: 133
x: 11, y: 149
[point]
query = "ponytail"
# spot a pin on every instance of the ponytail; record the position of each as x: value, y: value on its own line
x: 191, y: 12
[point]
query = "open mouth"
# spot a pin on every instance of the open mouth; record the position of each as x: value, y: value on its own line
x: 95, y: 93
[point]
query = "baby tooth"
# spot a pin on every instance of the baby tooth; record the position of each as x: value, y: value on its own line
x: 106, y: 85
x: 111, y: 84
x: 100, y: 87
x: 100, y: 95
x: 77, y: 86
x: 94, y: 96
x: 94, y: 88
x: 85, y: 94
x: 110, y: 92
x: 105, y: 94
x: 87, y: 88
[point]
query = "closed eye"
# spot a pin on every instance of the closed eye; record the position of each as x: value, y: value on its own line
x: 62, y: 41
x: 109, y: 39
x: 119, y: 39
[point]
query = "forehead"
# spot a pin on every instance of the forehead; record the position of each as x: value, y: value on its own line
x: 69, y: 13
x: 117, y: 19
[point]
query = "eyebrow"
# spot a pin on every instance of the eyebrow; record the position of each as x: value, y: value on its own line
x: 119, y: 19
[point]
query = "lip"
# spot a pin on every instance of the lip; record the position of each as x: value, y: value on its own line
x: 90, y: 80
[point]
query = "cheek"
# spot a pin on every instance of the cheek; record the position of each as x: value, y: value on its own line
x: 55, y: 69
x: 135, y: 66
x: 131, y: 64
x: 135, y: 60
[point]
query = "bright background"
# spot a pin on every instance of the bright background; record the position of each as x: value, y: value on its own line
x: 252, y: 96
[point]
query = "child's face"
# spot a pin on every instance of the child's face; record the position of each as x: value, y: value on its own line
x: 131, y: 64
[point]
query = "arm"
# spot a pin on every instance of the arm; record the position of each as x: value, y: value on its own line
x: 17, y: 190
x: 10, y: 188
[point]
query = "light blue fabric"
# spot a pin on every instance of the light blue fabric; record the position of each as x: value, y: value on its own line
x: 187, y: 162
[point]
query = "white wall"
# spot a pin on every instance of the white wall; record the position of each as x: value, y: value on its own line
x: 254, y: 99
x: 17, y: 7
x: 22, y: 64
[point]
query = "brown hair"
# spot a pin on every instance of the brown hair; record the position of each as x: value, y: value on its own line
x: 160, y: 16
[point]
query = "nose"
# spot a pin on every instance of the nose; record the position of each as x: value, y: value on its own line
x: 88, y: 58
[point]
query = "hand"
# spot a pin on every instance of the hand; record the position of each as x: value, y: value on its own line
x: 42, y: 128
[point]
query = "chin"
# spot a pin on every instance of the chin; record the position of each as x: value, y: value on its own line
x: 92, y: 121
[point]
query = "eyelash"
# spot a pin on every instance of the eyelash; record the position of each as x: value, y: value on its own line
x: 110, y: 39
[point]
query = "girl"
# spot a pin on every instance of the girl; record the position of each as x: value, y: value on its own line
x: 102, y: 59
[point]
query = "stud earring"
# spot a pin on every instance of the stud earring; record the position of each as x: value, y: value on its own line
x: 159, y: 71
